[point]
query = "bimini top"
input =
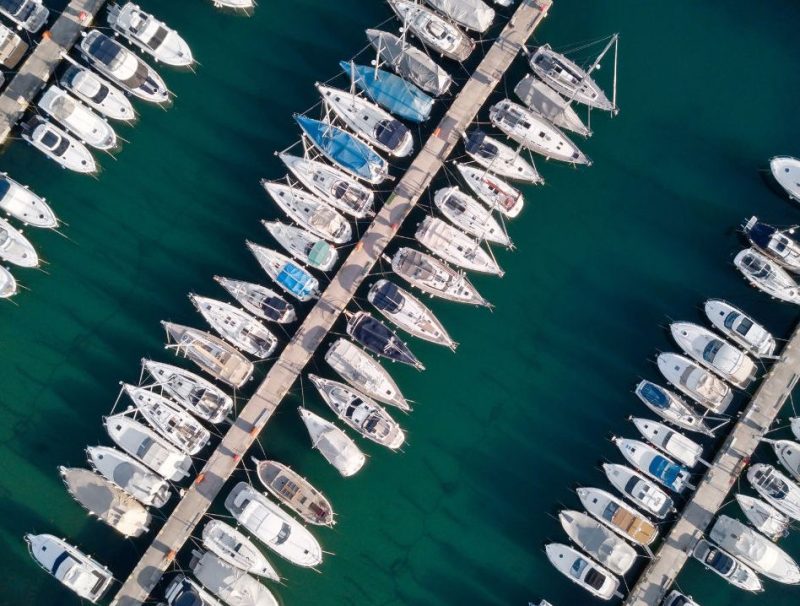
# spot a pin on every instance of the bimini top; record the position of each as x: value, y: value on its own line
x: 296, y: 280
x: 398, y: 96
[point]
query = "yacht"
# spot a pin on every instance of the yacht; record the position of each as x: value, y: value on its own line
x: 303, y: 245
x: 200, y: 397
x: 433, y: 31
x: 776, y: 489
x: 697, y: 383
x: 58, y: 145
x: 766, y: 275
x: 780, y: 245
x: 764, y: 517
x: 211, y: 354
x: 360, y: 413
x: 152, y: 36
x: 104, y: 500
x: 740, y: 328
x: 725, y: 565
x: 12, y: 48
x: 653, y: 464
x: 145, y: 445
x: 130, y: 475
x: 582, y: 570
x: 747, y: 545
x: 294, y: 491
x: 81, y: 121
x: 492, y: 190
x: 332, y: 184
x: 259, y: 300
x: 238, y: 327
x: 183, y: 591
x: 499, y: 158
x: 21, y: 203
x: 243, y: 5
x: 788, y: 454
x: 548, y: 103
x: 676, y: 598
x: 786, y: 171
x: 471, y: 14
x: 77, y: 571
x: 684, y: 450
x: 272, y: 526
x: 568, y: 79
x: 98, y: 94
x: 8, y: 285
x: 598, y: 541
x: 408, y: 313
x: 293, y: 278
x: 671, y: 407
x: 30, y: 15
x: 534, y: 132
x: 334, y: 444
x: 231, y: 546
x: 620, y: 518
x: 364, y: 373
x: 16, y: 248
x: 377, y: 338
x: 309, y: 212
x: 229, y: 583
x: 123, y: 67
x: 435, y: 277
x: 373, y: 125
x: 726, y: 360
x: 455, y: 247
x: 470, y: 216
x: 639, y: 490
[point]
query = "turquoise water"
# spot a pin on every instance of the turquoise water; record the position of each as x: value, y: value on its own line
x: 504, y: 429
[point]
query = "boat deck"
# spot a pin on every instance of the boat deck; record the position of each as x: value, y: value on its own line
x: 310, y: 335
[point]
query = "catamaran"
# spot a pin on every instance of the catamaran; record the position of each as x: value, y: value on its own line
x: 740, y: 328
x: 776, y: 489
x: 98, y: 94
x: 548, y: 103
x: 236, y: 326
x: 259, y: 300
x: 294, y: 491
x: 379, y: 339
x: 433, y: 31
x: 467, y: 214
x: 30, y: 15
x: 58, y: 145
x: 77, y: 118
x: 233, y: 547
x: 684, y: 450
x: 456, y: 247
x: 492, y: 190
x: 786, y: 171
x: 639, y: 490
x: 310, y: 212
x: 197, y: 395
x: 24, y: 205
x: 725, y: 565
x: 615, y: 514
x: 720, y: 357
x: 696, y: 382
x: 582, y: 570
x: 472, y: 14
x: 151, y: 35
x: 229, y: 583
x: 499, y: 158
x: 303, y: 245
x: 291, y: 277
x: 671, y: 407
x: 333, y: 444
x: 130, y: 475
x: 764, y: 517
x: 653, y: 464
x: 16, y: 248
x: 598, y: 541
x: 766, y: 275
x: 780, y: 245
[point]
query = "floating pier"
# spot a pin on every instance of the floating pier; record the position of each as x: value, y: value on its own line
x: 310, y: 335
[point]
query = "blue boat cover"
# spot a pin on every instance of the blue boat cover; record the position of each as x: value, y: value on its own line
x: 396, y: 95
x: 655, y: 395
x: 296, y: 280
x: 663, y: 469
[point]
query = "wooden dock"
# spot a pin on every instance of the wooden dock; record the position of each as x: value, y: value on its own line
x: 38, y: 68
x: 712, y: 492
x: 355, y: 268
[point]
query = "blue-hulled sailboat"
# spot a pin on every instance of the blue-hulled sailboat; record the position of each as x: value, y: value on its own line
x: 391, y: 92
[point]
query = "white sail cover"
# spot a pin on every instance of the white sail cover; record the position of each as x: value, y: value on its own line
x: 473, y: 14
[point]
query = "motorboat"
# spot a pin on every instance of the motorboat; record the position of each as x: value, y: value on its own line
x: 303, y: 245
x: 152, y: 36
x: 408, y: 313
x: 294, y: 491
x: 767, y: 275
x: 332, y: 184
x: 780, y: 245
x: 334, y: 444
x: 435, y: 277
x: 492, y: 190
x: 145, y: 445
x: 548, y: 103
x: 8, y: 285
x: 130, y: 475
x: 696, y: 382
x: 788, y: 454
x: 470, y: 216
x: 272, y: 526
x: 12, y: 48
x: 397, y: 96
x: 77, y: 571
x: 727, y: 361
x: 747, y: 545
x: 309, y: 212
x: 123, y: 67
x: 58, y: 145
x: 564, y: 76
x: 639, y: 490
x: 472, y: 14
x: 364, y: 373
x: 535, y: 132
x: 615, y: 514
x: 106, y: 501
x: 653, y: 464
x: 30, y: 15
x: 433, y: 31
x: 374, y: 125
x: 776, y: 489
x: 81, y: 121
x: 740, y: 328
x: 229, y: 583
x: 676, y: 598
x: 233, y: 547
x: 455, y: 247
x: 360, y: 413
x: 725, y: 565
x: 499, y: 158
x: 344, y: 150
x: 582, y: 570
x: 409, y: 62
x: 98, y: 94
x: 197, y: 395
x: 377, y: 338
x: 238, y: 327
x: 183, y: 591
x: 794, y: 423
x: 16, y: 248
x: 243, y: 5
x: 259, y: 300
x: 21, y: 203
x: 598, y: 541
x: 291, y: 277
x: 764, y: 517
x: 176, y: 425
x: 684, y: 450
x: 670, y: 407
x: 786, y: 171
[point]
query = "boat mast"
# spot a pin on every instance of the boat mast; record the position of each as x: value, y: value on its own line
x: 614, y: 89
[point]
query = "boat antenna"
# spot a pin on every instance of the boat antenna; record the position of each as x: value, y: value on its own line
x: 353, y: 77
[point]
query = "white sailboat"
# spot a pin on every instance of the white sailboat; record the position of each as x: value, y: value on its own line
x: 259, y: 300
x: 230, y: 545
x: 130, y: 475
x: 337, y: 448
x: 499, y: 158
x: 310, y: 212
x: 228, y: 583
x: 776, y: 489
x: 547, y: 102
x: 468, y: 215
x: 455, y: 247
x: 292, y: 277
x: 492, y: 190
x: 764, y: 517
x: 303, y: 245
x: 767, y: 275
x: 236, y: 326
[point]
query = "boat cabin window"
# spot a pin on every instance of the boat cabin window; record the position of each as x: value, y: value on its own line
x: 711, y: 350
x: 283, y: 534
x: 719, y: 561
x: 744, y: 326
x: 577, y: 567
x: 595, y: 579
x: 730, y: 319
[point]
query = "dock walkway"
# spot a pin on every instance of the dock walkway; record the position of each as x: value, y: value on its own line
x: 713, y: 490
x: 331, y: 304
